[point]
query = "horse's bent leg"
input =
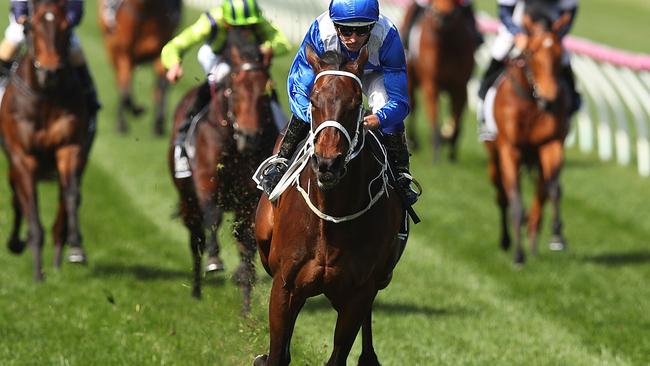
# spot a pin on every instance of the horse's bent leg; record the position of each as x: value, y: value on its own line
x: 509, y: 162
x: 352, y: 311
x: 24, y: 182
x: 502, y: 200
x: 368, y: 356
x: 264, y: 231
x: 283, y: 312
x: 15, y: 244
x: 245, y: 275
x: 160, y: 99
x: 552, y: 157
x: 212, y: 217
x: 70, y: 167
x: 430, y: 94
x: 458, y: 103
x: 193, y: 220
x: 59, y: 231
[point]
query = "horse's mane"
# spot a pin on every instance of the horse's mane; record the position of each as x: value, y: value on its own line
x: 334, y: 58
x: 541, y: 11
x: 246, y: 42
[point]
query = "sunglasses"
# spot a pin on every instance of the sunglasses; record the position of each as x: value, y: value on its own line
x: 359, y: 31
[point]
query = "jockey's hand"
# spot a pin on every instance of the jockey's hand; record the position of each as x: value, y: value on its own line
x: 174, y: 73
x: 371, y: 122
x: 22, y: 19
x: 521, y: 41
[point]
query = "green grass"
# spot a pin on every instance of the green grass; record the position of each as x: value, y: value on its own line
x: 455, y: 298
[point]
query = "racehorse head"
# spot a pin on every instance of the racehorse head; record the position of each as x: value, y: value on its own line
x: 443, y: 11
x: 336, y: 113
x: 249, y: 89
x: 543, y: 55
x: 48, y: 33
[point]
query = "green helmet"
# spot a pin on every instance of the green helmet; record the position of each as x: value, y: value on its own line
x: 241, y: 12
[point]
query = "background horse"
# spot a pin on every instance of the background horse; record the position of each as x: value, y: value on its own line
x: 308, y: 253
x: 141, y: 29
x: 440, y: 58
x: 46, y: 128
x: 531, y: 114
x: 231, y: 140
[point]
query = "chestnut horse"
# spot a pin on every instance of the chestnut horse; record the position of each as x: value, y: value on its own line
x: 46, y: 129
x: 141, y: 29
x: 334, y: 231
x: 531, y: 114
x: 231, y: 140
x: 442, y: 61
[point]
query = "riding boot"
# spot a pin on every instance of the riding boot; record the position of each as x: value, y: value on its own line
x: 490, y: 76
x: 296, y: 132
x: 181, y: 161
x: 576, y: 99
x: 399, y: 155
x: 5, y: 71
x: 468, y: 12
x: 412, y: 13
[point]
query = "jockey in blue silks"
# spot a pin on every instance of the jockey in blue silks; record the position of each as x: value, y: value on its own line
x: 346, y: 28
x: 15, y: 37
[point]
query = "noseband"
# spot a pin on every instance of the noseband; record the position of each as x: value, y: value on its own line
x: 353, y: 143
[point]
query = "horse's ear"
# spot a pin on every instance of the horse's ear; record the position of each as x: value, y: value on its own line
x: 313, y: 58
x: 560, y: 23
x: 528, y: 23
x: 357, y: 65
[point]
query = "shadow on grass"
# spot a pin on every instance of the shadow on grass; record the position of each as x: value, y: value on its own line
x: 620, y: 259
x: 139, y: 271
x: 321, y: 303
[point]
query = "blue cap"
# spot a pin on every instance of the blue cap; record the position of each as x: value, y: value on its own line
x: 354, y: 12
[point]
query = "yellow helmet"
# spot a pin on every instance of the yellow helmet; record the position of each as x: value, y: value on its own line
x: 241, y: 12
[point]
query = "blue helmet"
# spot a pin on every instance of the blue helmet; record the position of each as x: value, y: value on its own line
x: 354, y: 12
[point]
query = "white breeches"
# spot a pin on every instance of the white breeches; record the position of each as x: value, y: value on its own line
x: 213, y: 65
x: 504, y: 43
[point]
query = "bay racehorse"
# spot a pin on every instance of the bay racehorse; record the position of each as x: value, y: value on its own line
x: 46, y: 130
x: 440, y: 59
x: 135, y: 33
x: 230, y: 141
x: 531, y: 114
x: 334, y: 231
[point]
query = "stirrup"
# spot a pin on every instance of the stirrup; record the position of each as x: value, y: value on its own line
x: 411, y: 187
x: 181, y: 163
x: 273, y: 173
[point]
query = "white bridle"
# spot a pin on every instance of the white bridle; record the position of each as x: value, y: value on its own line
x: 352, y: 142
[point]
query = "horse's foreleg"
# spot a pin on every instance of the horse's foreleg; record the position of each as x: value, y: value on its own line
x: 15, y: 244
x: 535, y: 213
x: 24, y: 182
x: 264, y: 231
x: 212, y: 217
x: 284, y: 307
x: 509, y: 162
x: 552, y: 157
x: 352, y: 311
x: 192, y: 218
x: 245, y: 275
x: 502, y: 200
x: 59, y: 232
x: 458, y: 103
x: 368, y: 356
x: 430, y: 94
x: 411, y: 129
x: 124, y: 70
x: 160, y: 99
x: 70, y: 165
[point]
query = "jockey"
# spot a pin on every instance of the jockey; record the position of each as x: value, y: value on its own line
x: 347, y: 27
x: 211, y: 29
x: 512, y: 35
x: 414, y: 10
x: 15, y: 37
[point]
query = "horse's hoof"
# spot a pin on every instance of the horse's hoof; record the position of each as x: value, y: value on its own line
x: 76, y: 255
x: 214, y: 264
x: 368, y: 360
x: 260, y: 360
x: 557, y: 244
x: 137, y: 110
x: 16, y: 245
x: 520, y: 259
